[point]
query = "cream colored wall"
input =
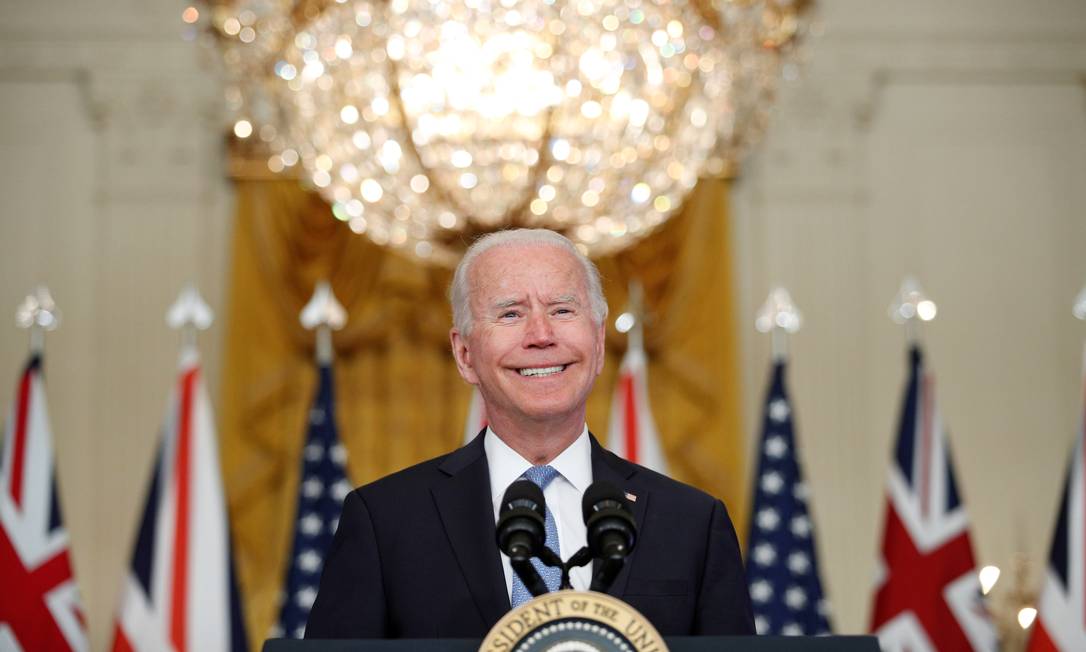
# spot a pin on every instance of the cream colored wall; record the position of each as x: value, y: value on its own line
x: 945, y: 140
x: 112, y: 192
x: 941, y: 139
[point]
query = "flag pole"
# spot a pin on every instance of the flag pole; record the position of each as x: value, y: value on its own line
x: 910, y: 307
x: 323, y: 314
x: 189, y: 314
x: 632, y: 320
x: 1079, y: 311
x: 780, y: 317
x: 38, y: 314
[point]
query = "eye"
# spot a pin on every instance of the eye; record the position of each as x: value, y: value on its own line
x: 509, y: 314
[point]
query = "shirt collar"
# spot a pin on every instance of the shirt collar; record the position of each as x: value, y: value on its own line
x: 506, y: 465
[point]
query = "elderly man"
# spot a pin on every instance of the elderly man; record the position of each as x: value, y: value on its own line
x: 415, y: 555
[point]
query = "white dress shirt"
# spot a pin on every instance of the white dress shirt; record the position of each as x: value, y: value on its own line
x: 563, y: 496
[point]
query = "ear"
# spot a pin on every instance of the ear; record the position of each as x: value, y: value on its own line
x: 601, y: 339
x: 462, y: 356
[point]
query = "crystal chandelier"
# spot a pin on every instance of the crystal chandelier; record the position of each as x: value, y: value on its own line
x: 425, y: 122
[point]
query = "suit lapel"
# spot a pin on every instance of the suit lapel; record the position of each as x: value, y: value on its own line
x: 608, y: 467
x: 464, y: 503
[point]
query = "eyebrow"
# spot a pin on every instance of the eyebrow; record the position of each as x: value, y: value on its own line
x: 501, y: 304
x: 565, y: 298
x: 506, y: 303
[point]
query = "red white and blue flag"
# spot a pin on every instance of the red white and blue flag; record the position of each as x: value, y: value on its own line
x: 782, y: 564
x: 476, y: 420
x: 632, y: 431
x: 40, y: 607
x: 928, y: 593
x: 181, y: 594
x: 1061, y: 610
x: 322, y: 486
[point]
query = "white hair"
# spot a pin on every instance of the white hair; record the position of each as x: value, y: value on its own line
x: 460, y: 288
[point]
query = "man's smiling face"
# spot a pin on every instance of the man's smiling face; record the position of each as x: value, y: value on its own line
x: 534, y: 349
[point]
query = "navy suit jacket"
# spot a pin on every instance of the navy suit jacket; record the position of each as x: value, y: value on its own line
x: 415, y: 555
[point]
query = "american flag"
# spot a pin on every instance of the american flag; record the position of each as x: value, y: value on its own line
x: 39, y: 605
x: 180, y: 593
x: 1061, y: 612
x: 782, y: 569
x: 323, y: 486
x: 928, y: 594
x: 632, y: 431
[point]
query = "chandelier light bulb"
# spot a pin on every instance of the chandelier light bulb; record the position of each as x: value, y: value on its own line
x: 592, y: 117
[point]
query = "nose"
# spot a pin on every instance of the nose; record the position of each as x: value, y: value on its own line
x: 539, y: 332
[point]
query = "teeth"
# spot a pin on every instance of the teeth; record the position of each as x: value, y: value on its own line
x: 542, y: 371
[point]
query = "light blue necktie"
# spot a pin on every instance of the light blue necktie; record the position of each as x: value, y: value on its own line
x: 552, y: 577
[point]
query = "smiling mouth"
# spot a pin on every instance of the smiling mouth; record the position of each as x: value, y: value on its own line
x: 541, y: 371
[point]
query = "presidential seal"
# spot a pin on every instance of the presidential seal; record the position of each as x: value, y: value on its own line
x: 574, y: 621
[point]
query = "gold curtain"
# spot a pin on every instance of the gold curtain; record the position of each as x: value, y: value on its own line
x: 399, y: 399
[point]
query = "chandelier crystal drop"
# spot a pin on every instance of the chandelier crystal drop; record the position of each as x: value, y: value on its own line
x: 426, y: 122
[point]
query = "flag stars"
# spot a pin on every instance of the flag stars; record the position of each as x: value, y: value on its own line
x: 312, y: 487
x: 779, y: 410
x: 799, y: 563
x: 309, y: 561
x: 801, y: 526
x: 772, y: 482
x: 314, y: 452
x: 311, y: 524
x: 765, y: 554
x: 792, y: 629
x: 761, y: 591
x: 339, y: 454
x: 776, y: 447
x: 317, y: 416
x: 305, y: 597
x: 761, y: 625
x: 795, y: 598
x: 800, y: 491
x: 769, y: 519
x: 340, y: 489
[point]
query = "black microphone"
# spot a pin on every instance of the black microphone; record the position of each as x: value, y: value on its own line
x: 521, y: 531
x: 612, y: 531
x: 522, y: 518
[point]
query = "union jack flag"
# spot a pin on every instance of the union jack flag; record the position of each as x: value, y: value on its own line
x: 1061, y: 612
x: 632, y: 431
x: 928, y: 594
x: 180, y: 594
x: 40, y: 607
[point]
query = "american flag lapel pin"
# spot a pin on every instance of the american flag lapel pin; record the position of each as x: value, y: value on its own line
x: 631, y: 497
